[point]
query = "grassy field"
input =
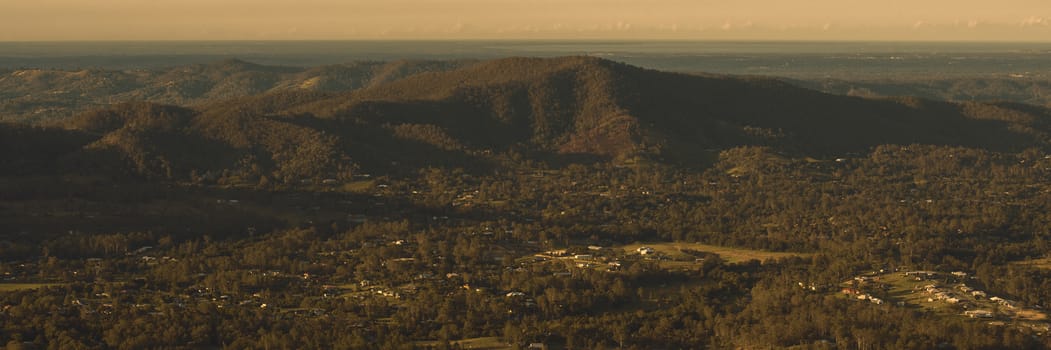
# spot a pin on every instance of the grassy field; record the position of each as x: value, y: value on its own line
x: 904, y: 289
x: 9, y: 287
x: 733, y: 255
x: 487, y: 343
x: 364, y: 186
x: 907, y: 290
x: 1042, y: 263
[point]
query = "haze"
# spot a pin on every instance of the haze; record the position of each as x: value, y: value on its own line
x: 951, y: 20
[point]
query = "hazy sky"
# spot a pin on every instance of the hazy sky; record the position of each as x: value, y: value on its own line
x: 1001, y: 20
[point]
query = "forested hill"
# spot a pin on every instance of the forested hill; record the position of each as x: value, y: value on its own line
x: 545, y: 110
x: 590, y: 105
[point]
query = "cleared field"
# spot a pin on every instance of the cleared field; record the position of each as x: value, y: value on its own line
x: 1042, y: 263
x: 909, y: 291
x: 733, y: 255
x: 8, y: 287
x: 1031, y: 315
x: 363, y: 186
x: 486, y: 343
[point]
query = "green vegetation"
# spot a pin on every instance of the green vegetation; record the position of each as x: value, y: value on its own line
x: 8, y: 287
x: 503, y: 204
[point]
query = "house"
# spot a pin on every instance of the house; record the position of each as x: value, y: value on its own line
x: 645, y: 251
x: 582, y: 256
x: 960, y: 274
x: 850, y: 291
x: 806, y: 286
x: 978, y: 314
x: 921, y: 275
x: 142, y: 250
x: 594, y: 247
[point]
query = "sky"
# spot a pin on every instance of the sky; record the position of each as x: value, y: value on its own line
x: 893, y: 20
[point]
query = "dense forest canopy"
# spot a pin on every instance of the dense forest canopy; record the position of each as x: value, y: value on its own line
x: 570, y: 202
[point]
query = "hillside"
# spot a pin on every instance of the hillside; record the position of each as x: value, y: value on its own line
x: 589, y: 105
x: 546, y: 110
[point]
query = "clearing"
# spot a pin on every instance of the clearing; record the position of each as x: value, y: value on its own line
x: 486, y: 343
x: 728, y: 254
x: 10, y: 287
x: 1041, y: 263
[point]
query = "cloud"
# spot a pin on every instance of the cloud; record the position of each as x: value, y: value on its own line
x: 730, y: 25
x: 1034, y: 21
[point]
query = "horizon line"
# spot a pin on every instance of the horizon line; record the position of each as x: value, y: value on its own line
x: 636, y: 40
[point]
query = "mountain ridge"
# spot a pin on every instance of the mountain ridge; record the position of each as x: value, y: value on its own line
x: 49, y: 96
x: 534, y: 109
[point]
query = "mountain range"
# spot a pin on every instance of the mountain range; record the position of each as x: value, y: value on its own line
x: 45, y: 95
x: 407, y: 115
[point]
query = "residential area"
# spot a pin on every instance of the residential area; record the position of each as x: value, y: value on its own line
x: 949, y: 293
